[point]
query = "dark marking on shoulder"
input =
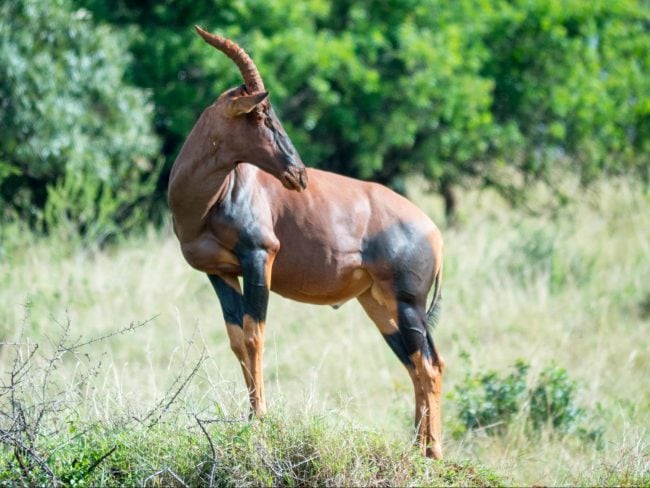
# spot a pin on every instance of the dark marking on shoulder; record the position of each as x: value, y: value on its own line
x: 256, y: 294
x: 232, y: 305
x: 252, y: 243
x: 239, y: 219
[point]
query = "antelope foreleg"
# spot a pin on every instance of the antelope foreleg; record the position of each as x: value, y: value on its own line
x: 254, y: 339
x: 245, y: 331
x: 256, y: 268
x: 238, y: 346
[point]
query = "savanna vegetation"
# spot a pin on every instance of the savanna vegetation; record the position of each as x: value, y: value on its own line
x: 544, y: 330
x: 522, y: 123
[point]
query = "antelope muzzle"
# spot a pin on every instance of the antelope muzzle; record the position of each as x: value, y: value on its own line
x: 295, y: 178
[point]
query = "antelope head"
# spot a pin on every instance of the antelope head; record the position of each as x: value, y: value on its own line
x: 241, y: 126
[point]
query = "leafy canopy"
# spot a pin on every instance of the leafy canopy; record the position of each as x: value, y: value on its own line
x: 77, y: 142
x: 480, y: 92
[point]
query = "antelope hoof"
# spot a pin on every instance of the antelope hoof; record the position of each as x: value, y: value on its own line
x: 434, y: 451
x: 257, y: 411
x: 429, y: 446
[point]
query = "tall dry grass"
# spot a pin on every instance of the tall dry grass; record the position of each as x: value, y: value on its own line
x: 564, y: 286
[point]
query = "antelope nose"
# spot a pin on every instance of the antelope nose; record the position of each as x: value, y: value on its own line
x: 294, y: 178
x: 302, y: 178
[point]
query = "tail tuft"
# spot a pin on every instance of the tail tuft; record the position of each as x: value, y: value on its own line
x: 433, y: 314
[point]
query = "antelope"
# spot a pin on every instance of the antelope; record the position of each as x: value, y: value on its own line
x: 244, y: 205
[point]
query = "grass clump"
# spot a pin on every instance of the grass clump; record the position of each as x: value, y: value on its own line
x: 49, y: 436
x: 279, y: 450
x: 306, y: 450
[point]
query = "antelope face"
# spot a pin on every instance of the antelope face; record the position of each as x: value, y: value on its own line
x: 244, y: 126
x: 252, y: 133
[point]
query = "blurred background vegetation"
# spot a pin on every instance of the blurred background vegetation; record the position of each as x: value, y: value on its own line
x: 546, y: 313
x: 98, y: 95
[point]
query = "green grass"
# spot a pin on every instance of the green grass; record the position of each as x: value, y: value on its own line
x: 279, y: 450
x: 567, y: 288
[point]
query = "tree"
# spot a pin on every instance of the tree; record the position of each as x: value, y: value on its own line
x: 496, y: 93
x: 76, y: 145
x: 573, y: 79
x: 369, y: 89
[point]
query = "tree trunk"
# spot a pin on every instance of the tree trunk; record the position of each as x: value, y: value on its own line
x: 451, y: 203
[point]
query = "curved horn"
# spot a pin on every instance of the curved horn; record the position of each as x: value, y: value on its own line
x: 248, y: 70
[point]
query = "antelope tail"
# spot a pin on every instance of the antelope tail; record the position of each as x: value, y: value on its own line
x: 433, y: 313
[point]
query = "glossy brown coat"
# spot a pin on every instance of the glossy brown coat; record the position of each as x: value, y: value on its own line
x: 328, y: 241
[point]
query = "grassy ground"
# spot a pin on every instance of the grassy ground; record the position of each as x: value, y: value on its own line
x: 567, y: 288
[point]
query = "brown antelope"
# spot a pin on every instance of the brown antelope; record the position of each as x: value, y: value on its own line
x: 325, y: 243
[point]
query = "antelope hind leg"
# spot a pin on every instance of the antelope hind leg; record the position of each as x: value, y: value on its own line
x: 426, y: 375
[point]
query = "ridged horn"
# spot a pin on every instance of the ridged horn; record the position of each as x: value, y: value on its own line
x: 247, y: 68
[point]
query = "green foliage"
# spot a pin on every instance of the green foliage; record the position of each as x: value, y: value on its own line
x: 286, y: 451
x: 573, y: 79
x: 370, y: 89
x: 499, y: 93
x: 552, y: 402
x: 492, y: 93
x: 491, y: 403
x: 469, y: 92
x: 76, y: 146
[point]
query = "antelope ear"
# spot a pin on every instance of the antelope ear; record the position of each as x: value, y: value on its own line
x: 245, y: 104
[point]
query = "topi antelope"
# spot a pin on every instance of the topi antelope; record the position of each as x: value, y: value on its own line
x: 325, y: 242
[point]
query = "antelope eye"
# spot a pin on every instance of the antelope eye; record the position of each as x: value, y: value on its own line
x: 268, y: 122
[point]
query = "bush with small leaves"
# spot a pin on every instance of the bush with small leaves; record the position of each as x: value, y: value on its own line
x: 77, y: 148
x: 491, y: 402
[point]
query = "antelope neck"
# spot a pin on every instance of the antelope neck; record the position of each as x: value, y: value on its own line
x: 194, y: 188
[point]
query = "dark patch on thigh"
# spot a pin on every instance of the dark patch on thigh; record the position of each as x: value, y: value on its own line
x: 412, y: 326
x: 402, y: 253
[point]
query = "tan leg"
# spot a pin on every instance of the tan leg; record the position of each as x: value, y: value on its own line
x: 254, y: 339
x: 426, y: 374
x: 256, y: 271
x: 238, y: 346
x: 379, y: 313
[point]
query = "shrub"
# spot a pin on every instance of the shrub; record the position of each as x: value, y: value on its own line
x: 552, y: 403
x: 77, y: 142
x: 491, y: 403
